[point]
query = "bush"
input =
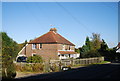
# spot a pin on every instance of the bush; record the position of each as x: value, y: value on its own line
x: 34, y: 59
x: 8, y: 72
x: 91, y: 53
x: 55, y: 68
x: 37, y: 67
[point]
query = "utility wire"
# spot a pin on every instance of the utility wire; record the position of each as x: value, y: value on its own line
x: 73, y: 17
x: 34, y: 16
x: 45, y: 15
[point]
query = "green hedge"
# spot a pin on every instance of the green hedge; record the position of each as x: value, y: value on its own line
x: 34, y: 59
x: 91, y: 54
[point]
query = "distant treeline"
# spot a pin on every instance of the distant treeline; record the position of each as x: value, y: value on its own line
x: 95, y: 47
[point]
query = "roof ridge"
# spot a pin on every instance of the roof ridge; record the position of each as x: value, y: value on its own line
x: 53, y: 36
x: 39, y: 37
x: 65, y: 39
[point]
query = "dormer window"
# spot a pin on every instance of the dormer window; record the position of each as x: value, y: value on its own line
x: 34, y: 46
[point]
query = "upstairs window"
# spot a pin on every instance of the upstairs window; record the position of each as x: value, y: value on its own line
x: 63, y: 47
x: 40, y: 46
x: 69, y: 47
x: 34, y: 46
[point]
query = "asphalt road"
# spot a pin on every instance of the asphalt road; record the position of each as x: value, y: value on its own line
x: 94, y: 72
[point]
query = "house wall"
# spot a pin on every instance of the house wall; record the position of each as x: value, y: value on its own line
x: 48, y: 51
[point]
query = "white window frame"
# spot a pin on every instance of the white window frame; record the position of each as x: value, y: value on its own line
x: 70, y: 47
x: 34, y: 47
x: 40, y: 45
x: 63, y: 47
x: 33, y: 54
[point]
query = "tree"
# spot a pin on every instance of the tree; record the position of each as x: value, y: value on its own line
x: 92, y: 53
x: 96, y: 42
x: 104, y: 46
x: 22, y: 45
x: 77, y: 50
x: 83, y: 50
x: 9, y: 53
x: 90, y: 49
x: 88, y: 43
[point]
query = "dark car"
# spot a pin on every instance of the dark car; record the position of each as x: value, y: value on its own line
x: 21, y: 59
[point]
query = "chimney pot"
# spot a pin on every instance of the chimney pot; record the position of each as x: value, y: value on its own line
x: 53, y: 29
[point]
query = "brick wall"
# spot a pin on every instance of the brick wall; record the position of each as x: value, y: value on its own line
x: 47, y: 52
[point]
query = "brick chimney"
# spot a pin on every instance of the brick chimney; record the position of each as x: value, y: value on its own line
x: 53, y: 29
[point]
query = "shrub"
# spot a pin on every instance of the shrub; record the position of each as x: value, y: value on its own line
x: 55, y: 68
x: 34, y: 59
x: 91, y: 53
x: 8, y: 72
x: 37, y: 67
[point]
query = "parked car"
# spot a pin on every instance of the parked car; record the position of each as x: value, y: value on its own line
x: 21, y: 59
x: 66, y: 68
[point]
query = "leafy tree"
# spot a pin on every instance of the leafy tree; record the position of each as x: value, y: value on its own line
x: 22, y: 45
x: 88, y: 43
x: 104, y: 48
x: 9, y: 47
x: 83, y: 50
x: 25, y: 42
x: 77, y: 50
x: 9, y: 52
x: 110, y: 55
x: 34, y: 59
x: 104, y: 45
x: 92, y: 53
x: 96, y: 42
x: 90, y: 49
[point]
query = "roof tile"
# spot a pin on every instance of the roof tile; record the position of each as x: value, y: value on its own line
x: 51, y: 37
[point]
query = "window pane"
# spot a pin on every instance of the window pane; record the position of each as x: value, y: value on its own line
x: 34, y: 46
x: 40, y: 45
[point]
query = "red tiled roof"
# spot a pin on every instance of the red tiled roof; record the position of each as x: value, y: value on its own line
x: 67, y: 52
x: 51, y: 37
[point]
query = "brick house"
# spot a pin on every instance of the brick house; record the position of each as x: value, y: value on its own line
x: 50, y: 46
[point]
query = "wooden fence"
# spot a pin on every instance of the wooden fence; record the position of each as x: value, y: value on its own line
x: 68, y: 62
x: 83, y: 61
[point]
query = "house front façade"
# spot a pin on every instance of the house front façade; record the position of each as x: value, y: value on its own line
x: 50, y: 46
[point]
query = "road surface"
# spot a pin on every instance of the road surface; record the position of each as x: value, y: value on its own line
x: 102, y: 72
